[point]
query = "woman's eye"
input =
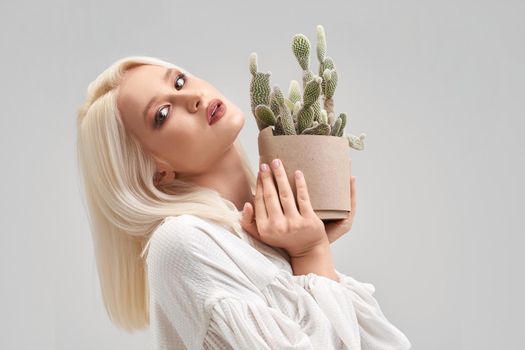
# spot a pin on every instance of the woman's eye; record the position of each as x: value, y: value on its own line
x: 181, y: 77
x: 161, y: 115
x: 163, y: 112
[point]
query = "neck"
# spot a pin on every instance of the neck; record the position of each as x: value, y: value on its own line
x: 228, y: 177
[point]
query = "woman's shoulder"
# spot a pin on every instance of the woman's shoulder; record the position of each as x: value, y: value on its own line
x: 178, y: 222
x: 187, y: 247
x: 177, y: 236
x: 185, y: 231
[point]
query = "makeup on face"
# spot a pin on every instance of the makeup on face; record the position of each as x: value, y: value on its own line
x: 216, y: 109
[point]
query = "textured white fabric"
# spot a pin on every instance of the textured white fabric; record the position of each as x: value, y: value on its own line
x: 210, y: 289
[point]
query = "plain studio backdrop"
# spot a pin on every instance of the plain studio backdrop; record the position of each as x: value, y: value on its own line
x: 437, y: 86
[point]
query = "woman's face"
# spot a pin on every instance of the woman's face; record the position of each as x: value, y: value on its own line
x: 167, y: 113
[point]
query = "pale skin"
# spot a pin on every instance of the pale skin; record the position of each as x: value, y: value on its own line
x: 186, y: 147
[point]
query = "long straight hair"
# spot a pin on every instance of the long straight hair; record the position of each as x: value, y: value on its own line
x: 124, y: 206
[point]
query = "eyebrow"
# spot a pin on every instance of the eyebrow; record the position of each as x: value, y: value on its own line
x: 165, y: 78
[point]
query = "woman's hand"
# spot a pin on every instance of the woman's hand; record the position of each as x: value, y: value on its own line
x: 336, y: 229
x: 278, y: 222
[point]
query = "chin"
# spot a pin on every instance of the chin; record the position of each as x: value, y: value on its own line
x: 243, y: 120
x: 237, y: 119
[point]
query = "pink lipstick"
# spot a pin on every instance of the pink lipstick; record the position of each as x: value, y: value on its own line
x: 216, y: 109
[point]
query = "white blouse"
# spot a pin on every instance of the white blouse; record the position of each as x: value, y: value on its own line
x: 210, y: 289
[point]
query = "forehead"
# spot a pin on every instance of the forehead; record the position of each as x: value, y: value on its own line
x: 139, y: 84
x: 147, y: 76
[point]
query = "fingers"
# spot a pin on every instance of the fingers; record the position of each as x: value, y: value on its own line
x: 260, y: 207
x: 303, y: 198
x: 285, y: 191
x: 270, y: 195
x: 248, y: 222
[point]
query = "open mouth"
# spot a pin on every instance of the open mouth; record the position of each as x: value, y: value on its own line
x: 216, y: 110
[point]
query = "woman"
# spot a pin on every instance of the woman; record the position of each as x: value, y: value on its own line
x: 166, y: 181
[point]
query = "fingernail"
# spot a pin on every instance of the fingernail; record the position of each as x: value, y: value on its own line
x: 298, y: 174
x: 264, y: 167
x: 276, y: 163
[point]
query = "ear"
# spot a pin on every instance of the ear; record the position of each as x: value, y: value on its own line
x: 164, y: 173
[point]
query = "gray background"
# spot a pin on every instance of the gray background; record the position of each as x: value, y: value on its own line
x: 436, y: 86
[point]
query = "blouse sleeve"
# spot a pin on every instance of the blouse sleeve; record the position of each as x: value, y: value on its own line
x: 242, y: 324
x: 350, y: 304
x: 188, y: 269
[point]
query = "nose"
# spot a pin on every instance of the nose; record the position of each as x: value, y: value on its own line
x: 191, y: 99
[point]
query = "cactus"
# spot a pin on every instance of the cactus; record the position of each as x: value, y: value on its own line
x: 342, y: 117
x: 304, y: 111
x: 264, y: 115
x: 319, y: 129
x: 284, y: 112
x: 356, y: 142
x: 336, y: 127
x: 294, y: 92
x: 305, y: 118
x: 301, y: 50
x: 312, y: 92
x: 274, y: 106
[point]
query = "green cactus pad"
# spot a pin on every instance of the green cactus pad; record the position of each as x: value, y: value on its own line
x: 305, y: 118
x: 278, y: 95
x: 342, y: 116
x: 328, y: 63
x: 260, y: 89
x: 320, y: 129
x: 253, y: 63
x: 265, y: 116
x: 336, y: 127
x: 289, y: 104
x: 355, y: 142
x: 323, y: 118
x: 284, y: 114
x: 317, y: 110
x: 312, y: 91
x: 274, y: 105
x: 307, y: 76
x: 287, y: 124
x: 327, y: 74
x: 301, y: 49
x: 321, y: 43
x: 296, y: 107
x: 331, y: 84
x: 325, y: 64
x: 294, y: 91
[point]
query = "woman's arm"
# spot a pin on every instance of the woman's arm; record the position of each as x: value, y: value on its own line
x: 318, y: 261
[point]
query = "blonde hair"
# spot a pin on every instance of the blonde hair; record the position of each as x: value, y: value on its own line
x: 124, y: 206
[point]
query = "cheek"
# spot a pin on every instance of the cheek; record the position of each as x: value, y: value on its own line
x: 186, y: 149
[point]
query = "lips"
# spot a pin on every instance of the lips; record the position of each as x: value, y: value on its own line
x: 216, y: 109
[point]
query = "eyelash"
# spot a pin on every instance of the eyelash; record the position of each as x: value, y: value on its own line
x: 156, y: 123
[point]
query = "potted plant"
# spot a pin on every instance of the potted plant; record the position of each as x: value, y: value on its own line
x: 302, y: 131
